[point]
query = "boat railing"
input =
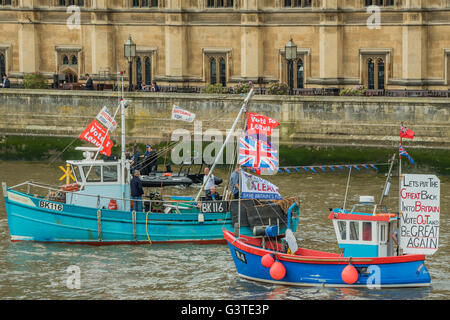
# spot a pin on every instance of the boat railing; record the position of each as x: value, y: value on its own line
x: 52, y: 192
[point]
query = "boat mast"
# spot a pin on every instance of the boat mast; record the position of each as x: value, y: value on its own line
x: 219, y: 155
x: 387, y: 185
x: 122, y: 160
x: 399, y: 193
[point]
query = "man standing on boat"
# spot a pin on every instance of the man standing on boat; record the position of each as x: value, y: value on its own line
x: 208, y: 184
x: 151, y: 160
x: 234, y: 182
x: 136, y: 191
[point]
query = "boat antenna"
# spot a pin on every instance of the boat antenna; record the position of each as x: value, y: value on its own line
x: 387, y: 185
x: 346, y: 189
x: 219, y: 155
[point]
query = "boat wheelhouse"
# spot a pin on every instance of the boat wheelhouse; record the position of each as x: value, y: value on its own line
x: 366, y: 230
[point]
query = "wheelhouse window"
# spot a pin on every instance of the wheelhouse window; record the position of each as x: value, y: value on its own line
x: 367, y: 231
x: 110, y: 174
x: 342, y: 226
x: 354, y: 230
x: 94, y: 174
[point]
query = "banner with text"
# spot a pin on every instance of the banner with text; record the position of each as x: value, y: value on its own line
x: 256, y: 188
x: 420, y: 214
x: 181, y: 114
x: 97, y: 135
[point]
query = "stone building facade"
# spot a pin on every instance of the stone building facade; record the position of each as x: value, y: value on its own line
x: 381, y: 44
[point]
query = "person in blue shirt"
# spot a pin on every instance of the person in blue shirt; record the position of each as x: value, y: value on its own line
x: 136, y: 191
x: 234, y: 183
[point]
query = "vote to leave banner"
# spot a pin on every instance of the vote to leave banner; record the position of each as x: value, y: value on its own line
x: 97, y: 135
x: 253, y: 187
x: 420, y: 212
x: 181, y: 114
x: 259, y: 124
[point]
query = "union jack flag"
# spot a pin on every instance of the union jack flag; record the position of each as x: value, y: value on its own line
x: 257, y: 154
x: 403, y: 152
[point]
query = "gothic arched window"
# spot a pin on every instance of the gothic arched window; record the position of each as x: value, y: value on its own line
x: 2, y: 65
x: 300, y: 74
x: 371, y: 74
x: 213, y: 71
x: 148, y: 71
x: 223, y: 72
x: 138, y: 70
x: 381, y: 77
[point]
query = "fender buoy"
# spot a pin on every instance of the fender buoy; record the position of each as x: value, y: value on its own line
x: 350, y: 274
x: 267, y: 260
x: 277, y: 271
x: 167, y: 174
x: 112, y: 204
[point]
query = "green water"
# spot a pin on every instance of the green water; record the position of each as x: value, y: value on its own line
x: 197, y: 272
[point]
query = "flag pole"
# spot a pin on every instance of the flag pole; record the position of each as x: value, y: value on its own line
x: 399, y: 193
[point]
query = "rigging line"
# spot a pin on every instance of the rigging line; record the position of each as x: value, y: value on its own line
x: 59, y: 154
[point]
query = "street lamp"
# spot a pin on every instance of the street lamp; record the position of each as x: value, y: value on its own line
x: 291, y: 55
x: 130, y: 54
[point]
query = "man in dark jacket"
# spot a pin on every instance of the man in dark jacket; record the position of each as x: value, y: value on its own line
x: 89, y: 83
x: 151, y: 160
x: 136, y: 191
x: 213, y: 195
x: 5, y: 82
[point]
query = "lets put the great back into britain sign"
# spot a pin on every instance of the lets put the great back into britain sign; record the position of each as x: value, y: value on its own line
x: 420, y: 212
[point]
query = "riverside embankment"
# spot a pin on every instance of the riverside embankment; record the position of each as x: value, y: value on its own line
x: 333, y: 128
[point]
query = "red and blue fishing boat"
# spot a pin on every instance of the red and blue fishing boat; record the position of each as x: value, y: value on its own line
x: 368, y: 257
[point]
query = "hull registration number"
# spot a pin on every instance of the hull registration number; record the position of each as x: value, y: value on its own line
x: 50, y: 206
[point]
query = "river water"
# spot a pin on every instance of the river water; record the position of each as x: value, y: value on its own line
x: 197, y: 272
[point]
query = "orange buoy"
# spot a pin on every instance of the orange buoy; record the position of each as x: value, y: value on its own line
x: 350, y: 274
x: 277, y: 271
x: 267, y: 260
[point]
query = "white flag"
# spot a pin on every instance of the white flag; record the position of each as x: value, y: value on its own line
x: 181, y: 114
x: 106, y: 119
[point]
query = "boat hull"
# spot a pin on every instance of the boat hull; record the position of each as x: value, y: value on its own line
x: 36, y: 219
x: 325, y: 270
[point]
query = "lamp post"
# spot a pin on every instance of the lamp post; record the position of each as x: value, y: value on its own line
x: 130, y: 54
x: 291, y: 55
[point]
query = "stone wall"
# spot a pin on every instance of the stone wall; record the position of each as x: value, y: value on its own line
x: 333, y: 121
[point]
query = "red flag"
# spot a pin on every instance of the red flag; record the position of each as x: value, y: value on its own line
x: 97, y: 135
x: 259, y: 124
x: 406, y: 133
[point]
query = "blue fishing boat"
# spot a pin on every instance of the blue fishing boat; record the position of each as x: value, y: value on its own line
x: 97, y: 208
x: 368, y: 254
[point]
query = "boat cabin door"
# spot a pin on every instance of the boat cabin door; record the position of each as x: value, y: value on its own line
x: 383, y: 236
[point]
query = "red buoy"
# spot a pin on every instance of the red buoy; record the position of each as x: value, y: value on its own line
x: 112, y: 204
x: 277, y: 271
x: 349, y: 274
x: 267, y: 260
